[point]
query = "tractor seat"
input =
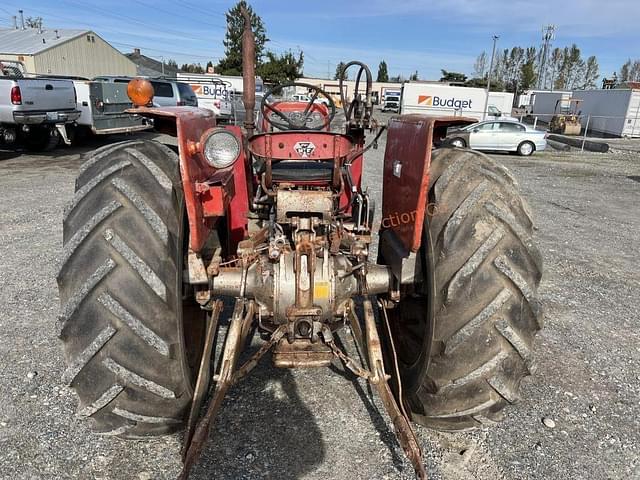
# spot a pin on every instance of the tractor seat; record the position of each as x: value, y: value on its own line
x: 301, y: 171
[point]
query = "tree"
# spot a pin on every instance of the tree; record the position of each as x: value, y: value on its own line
x: 34, y: 22
x: 397, y: 79
x: 453, y: 77
x: 634, y: 72
x: 383, y: 73
x: 414, y: 76
x: 341, y: 73
x: 172, y: 63
x: 528, y: 69
x: 281, y: 68
x: 480, y: 66
x: 192, y: 68
x: 591, y: 73
x: 557, y: 56
x: 624, y: 71
x: 231, y: 64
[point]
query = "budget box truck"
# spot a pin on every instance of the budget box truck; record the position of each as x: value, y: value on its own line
x: 434, y: 99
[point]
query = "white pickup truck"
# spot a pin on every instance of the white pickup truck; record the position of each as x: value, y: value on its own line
x: 33, y: 109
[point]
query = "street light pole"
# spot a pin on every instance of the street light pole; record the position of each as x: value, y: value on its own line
x: 486, y: 100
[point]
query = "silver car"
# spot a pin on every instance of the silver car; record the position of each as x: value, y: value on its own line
x: 499, y: 135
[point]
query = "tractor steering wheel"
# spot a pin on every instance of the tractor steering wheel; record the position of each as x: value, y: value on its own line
x: 298, y: 121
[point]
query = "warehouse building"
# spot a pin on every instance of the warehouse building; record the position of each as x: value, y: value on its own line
x: 79, y: 53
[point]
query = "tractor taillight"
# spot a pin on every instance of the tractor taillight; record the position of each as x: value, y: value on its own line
x: 16, y: 95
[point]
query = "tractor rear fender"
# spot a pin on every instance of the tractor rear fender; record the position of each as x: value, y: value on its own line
x: 209, y: 193
x: 405, y: 202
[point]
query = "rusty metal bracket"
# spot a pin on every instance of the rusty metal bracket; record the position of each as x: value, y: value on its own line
x: 239, y: 327
x: 380, y: 380
x: 204, y: 374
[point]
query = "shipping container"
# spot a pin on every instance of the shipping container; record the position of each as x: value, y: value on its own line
x: 613, y: 112
x: 433, y: 99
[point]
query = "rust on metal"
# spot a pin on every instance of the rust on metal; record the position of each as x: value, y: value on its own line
x: 407, y: 158
x: 204, y: 375
x: 248, y: 72
x: 302, y: 353
x: 239, y: 327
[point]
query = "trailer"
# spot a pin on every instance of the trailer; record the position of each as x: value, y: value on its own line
x: 438, y: 99
x: 544, y: 103
x: 611, y: 112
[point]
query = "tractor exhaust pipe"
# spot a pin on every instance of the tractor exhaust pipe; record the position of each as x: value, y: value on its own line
x: 248, y: 73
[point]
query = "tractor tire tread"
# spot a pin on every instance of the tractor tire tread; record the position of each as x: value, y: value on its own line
x: 487, y: 270
x: 119, y: 290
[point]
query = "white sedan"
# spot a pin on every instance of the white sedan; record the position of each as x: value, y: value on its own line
x: 505, y: 135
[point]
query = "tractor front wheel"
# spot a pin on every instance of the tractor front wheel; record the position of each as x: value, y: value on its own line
x: 131, y: 332
x: 465, y: 334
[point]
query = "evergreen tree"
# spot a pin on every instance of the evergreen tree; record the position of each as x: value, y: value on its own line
x: 341, y: 73
x: 231, y: 64
x: 383, y: 73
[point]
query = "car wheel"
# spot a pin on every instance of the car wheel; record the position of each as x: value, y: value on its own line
x: 525, y: 149
x: 458, y: 143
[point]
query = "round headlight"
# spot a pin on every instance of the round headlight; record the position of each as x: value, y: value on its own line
x: 221, y: 148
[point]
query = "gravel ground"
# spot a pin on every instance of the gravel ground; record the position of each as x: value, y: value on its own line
x: 324, y: 424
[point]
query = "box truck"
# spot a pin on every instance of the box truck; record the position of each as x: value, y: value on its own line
x: 434, y: 99
x: 613, y: 112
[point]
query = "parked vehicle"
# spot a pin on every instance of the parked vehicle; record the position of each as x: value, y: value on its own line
x: 215, y: 92
x: 437, y: 99
x: 508, y: 136
x: 166, y: 92
x: 103, y: 106
x: 34, y: 110
x: 169, y: 93
x: 391, y: 103
x: 566, y: 117
x: 305, y: 98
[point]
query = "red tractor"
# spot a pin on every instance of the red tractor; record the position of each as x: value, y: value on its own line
x: 275, y: 218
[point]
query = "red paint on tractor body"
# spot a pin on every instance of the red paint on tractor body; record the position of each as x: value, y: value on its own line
x: 407, y: 159
x: 208, y: 192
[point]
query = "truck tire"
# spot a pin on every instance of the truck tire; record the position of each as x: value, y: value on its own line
x: 465, y: 335
x: 130, y: 339
x: 41, y: 139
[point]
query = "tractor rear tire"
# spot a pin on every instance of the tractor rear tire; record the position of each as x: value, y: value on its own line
x: 485, y: 270
x: 129, y: 336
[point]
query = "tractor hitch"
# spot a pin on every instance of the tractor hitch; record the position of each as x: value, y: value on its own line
x: 296, y: 354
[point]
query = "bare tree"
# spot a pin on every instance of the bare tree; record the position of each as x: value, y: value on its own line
x: 480, y: 66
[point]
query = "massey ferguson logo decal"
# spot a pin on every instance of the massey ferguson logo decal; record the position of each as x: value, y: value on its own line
x: 304, y: 149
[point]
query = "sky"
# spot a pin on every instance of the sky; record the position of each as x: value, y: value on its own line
x: 410, y: 35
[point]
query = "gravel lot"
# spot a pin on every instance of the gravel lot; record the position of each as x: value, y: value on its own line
x: 323, y: 424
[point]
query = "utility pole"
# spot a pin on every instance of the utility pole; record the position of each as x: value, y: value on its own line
x: 21, y: 13
x: 162, y: 58
x: 328, y: 69
x: 548, y: 34
x: 486, y: 100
